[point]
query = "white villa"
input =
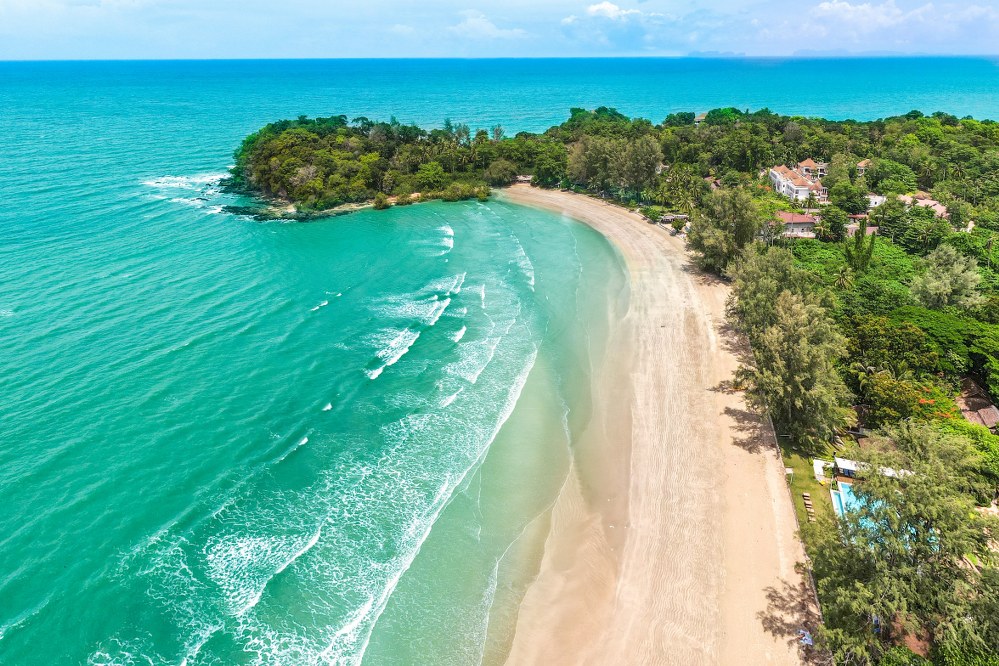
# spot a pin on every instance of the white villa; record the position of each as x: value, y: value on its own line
x: 813, y: 170
x: 797, y: 184
x: 797, y: 225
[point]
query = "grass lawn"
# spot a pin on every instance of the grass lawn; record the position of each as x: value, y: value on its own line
x: 803, y: 481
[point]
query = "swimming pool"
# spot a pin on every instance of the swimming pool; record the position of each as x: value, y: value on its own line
x: 843, y: 498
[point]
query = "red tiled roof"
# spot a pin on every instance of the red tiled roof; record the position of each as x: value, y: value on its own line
x: 796, y: 218
x: 797, y: 179
x: 808, y: 163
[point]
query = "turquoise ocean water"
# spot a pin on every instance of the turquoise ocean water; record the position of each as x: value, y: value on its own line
x: 224, y: 441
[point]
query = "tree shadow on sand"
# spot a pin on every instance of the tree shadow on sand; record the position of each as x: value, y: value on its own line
x: 753, y: 432
x: 792, y: 609
x: 735, y: 343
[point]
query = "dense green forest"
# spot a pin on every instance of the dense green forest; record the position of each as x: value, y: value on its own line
x: 318, y: 164
x: 871, y: 332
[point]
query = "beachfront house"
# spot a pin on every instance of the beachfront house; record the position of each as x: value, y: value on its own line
x: 797, y: 184
x: 797, y: 225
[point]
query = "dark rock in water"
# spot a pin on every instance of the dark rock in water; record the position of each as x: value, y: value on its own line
x: 256, y: 212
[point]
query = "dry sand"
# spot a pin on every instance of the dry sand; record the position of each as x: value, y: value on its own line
x: 667, y: 537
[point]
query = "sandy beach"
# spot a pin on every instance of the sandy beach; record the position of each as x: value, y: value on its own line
x: 675, y: 522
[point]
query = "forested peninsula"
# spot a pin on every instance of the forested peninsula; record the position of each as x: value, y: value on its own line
x: 865, y: 276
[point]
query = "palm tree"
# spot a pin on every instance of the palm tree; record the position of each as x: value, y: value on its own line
x: 863, y: 374
x: 957, y: 171
x: 844, y: 279
x: 821, y: 230
x: 926, y: 172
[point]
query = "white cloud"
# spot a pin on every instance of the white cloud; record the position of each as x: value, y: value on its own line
x: 610, y: 10
x: 869, y: 17
x: 611, y: 27
x: 242, y: 28
x: 477, y: 26
x: 839, y: 27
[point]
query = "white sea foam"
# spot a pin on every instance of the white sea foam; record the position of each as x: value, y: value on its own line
x: 525, y: 264
x: 364, y: 521
x: 322, y: 304
x: 475, y: 357
x: 445, y: 285
x: 421, y: 309
x: 196, y: 183
x: 196, y: 191
x: 328, y: 407
x: 309, y: 545
x: 347, y: 631
x: 395, y: 350
x: 436, y: 314
x: 419, y: 530
x: 459, y: 334
x: 6, y: 313
x: 299, y: 444
x: 451, y: 398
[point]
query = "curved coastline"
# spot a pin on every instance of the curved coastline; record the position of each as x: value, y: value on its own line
x: 675, y: 521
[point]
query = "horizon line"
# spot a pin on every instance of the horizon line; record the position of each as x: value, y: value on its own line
x: 694, y: 56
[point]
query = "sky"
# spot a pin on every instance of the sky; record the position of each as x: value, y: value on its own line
x: 134, y: 29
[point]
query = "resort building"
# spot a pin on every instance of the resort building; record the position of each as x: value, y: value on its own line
x: 813, y: 170
x: 797, y: 184
x: 797, y: 225
x: 862, y: 167
x: 923, y: 200
x: 699, y: 118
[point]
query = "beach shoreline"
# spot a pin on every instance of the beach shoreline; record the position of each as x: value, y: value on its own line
x: 675, y: 520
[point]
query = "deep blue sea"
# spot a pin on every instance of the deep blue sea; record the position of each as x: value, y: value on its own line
x: 225, y: 441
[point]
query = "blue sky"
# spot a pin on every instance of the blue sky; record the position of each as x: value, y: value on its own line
x: 85, y: 29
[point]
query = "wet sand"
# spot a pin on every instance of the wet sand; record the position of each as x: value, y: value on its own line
x: 675, y: 520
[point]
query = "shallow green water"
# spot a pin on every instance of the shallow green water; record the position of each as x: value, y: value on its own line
x: 235, y: 442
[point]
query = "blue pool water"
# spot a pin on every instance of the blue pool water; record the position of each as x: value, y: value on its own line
x: 843, y: 499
